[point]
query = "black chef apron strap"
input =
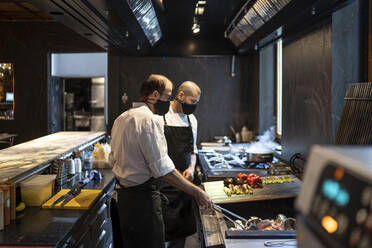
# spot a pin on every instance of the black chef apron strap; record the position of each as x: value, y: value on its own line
x: 178, y: 215
x: 140, y: 214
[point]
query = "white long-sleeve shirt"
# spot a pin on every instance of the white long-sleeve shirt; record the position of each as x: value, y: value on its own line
x: 138, y: 147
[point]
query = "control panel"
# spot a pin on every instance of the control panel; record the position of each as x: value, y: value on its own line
x: 339, y: 205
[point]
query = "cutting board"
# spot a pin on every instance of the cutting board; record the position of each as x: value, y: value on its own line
x: 268, y: 192
x: 82, y: 201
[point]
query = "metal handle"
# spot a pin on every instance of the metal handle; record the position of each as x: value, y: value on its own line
x: 227, y: 217
x: 229, y: 212
x: 280, y: 243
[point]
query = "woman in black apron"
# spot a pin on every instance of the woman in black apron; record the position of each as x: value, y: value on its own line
x: 178, y: 214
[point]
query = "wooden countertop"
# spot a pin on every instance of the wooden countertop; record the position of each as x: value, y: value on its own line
x: 21, y: 158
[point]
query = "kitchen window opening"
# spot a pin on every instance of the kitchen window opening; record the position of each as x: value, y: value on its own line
x: 279, y: 89
x: 7, y: 91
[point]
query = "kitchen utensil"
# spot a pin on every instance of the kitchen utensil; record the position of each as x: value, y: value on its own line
x: 82, y: 201
x: 68, y: 196
x: 223, y: 212
x: 281, y: 243
x: 260, y: 157
x: 221, y: 209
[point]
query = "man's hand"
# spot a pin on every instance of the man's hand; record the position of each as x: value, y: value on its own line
x: 203, y: 199
x: 188, y: 174
x: 175, y: 179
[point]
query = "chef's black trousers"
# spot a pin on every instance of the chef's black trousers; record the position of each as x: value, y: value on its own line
x: 140, y: 215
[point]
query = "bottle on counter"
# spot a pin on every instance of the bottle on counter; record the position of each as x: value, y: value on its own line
x: 77, y: 162
x: 70, y: 164
x: 6, y: 201
x: 246, y: 134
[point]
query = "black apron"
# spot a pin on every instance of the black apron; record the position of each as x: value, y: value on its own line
x: 178, y: 213
x: 140, y: 215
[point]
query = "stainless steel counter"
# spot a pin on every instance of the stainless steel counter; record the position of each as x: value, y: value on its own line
x: 18, y: 161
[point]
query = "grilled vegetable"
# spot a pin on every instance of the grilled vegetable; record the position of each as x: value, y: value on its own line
x: 227, y: 191
x: 238, y: 181
x: 247, y: 189
x: 238, y: 190
x: 231, y: 187
x: 254, y: 181
x: 228, y: 181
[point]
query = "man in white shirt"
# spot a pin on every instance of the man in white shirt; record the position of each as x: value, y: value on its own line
x: 180, y: 128
x: 139, y: 159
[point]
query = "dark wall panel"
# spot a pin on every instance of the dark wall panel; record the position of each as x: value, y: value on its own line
x: 267, y: 83
x: 27, y: 46
x: 225, y: 100
x: 307, y: 82
x: 346, y: 29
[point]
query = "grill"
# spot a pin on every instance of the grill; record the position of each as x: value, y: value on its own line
x: 263, y: 210
x: 355, y: 126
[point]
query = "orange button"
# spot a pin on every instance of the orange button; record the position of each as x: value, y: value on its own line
x: 329, y: 224
x: 339, y: 173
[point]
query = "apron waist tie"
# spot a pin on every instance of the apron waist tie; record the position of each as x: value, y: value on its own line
x: 163, y: 197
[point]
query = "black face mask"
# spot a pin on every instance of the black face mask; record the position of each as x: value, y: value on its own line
x: 188, y: 109
x: 161, y: 107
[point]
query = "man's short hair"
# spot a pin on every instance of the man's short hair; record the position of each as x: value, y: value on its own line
x: 152, y: 83
x: 189, y: 88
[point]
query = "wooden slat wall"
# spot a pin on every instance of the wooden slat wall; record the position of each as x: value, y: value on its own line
x: 370, y: 42
x: 307, y: 70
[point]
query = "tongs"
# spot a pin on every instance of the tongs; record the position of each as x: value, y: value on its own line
x: 76, y: 190
x: 281, y: 243
x: 224, y: 213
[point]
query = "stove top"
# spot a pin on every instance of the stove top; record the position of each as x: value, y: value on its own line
x: 235, y: 161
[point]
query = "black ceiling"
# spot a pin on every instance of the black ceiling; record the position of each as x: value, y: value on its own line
x: 111, y: 23
x: 177, y: 18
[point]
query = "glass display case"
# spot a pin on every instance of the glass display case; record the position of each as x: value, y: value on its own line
x: 6, y: 91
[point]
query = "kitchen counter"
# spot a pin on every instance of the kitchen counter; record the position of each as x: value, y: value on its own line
x: 53, y: 227
x: 18, y: 161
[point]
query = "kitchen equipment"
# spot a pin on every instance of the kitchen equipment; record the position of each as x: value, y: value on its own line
x: 70, y: 164
x: 68, y: 196
x: 77, y: 162
x: 279, y: 168
x: 82, y: 201
x: 258, y: 212
x: 270, y: 191
x: 98, y: 93
x: 97, y: 123
x: 222, y: 210
x: 36, y: 190
x: 335, y: 202
x: 257, y: 156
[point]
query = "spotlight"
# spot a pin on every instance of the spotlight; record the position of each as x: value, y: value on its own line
x: 195, y: 28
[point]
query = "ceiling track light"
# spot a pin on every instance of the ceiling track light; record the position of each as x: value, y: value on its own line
x: 195, y: 26
x: 199, y: 11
